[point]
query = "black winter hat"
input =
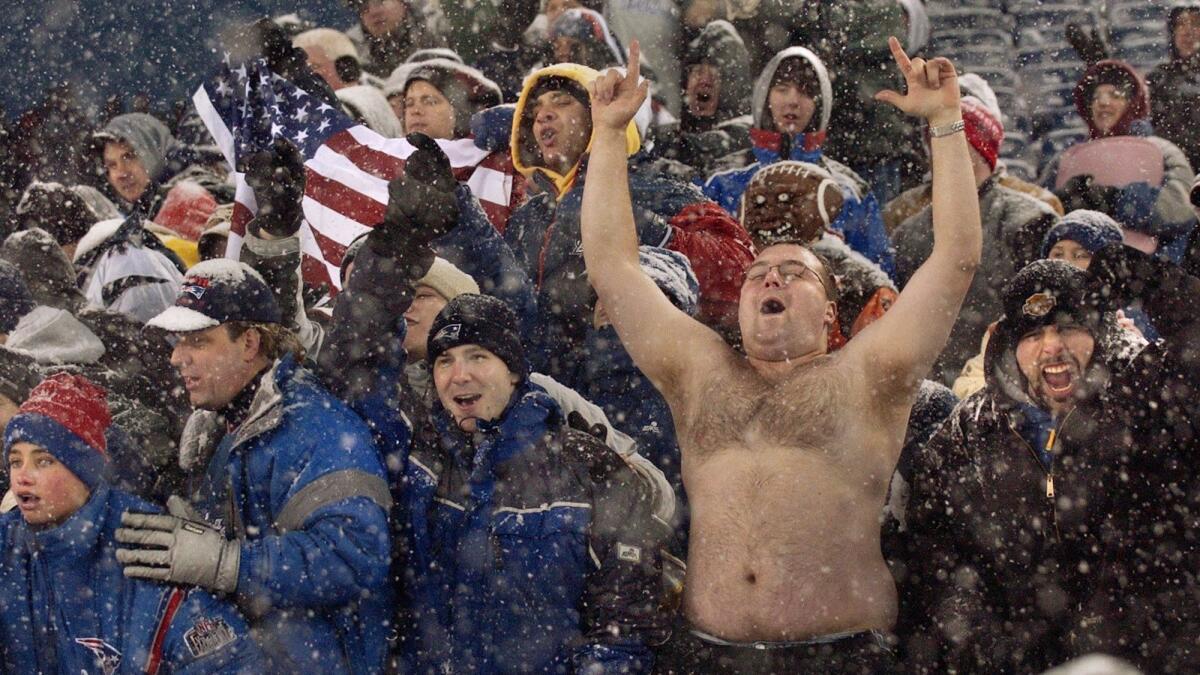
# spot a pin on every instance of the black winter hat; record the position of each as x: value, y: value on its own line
x: 15, y: 300
x: 558, y: 82
x: 1047, y: 292
x: 472, y: 319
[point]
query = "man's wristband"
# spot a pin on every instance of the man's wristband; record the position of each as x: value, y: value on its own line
x: 947, y: 129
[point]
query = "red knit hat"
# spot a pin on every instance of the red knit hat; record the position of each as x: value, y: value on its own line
x: 68, y: 415
x: 984, y: 131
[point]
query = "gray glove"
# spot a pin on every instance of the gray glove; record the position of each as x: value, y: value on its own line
x: 178, y: 548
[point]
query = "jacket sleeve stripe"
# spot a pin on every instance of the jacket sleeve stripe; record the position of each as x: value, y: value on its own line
x: 160, y: 633
x: 329, y: 489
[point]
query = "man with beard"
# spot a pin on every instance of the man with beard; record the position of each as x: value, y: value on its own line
x: 1050, y: 516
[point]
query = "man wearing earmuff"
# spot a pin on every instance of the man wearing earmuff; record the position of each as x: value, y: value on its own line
x: 331, y: 55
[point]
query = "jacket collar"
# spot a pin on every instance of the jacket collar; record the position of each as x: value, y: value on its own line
x: 205, y: 428
x: 77, y: 536
x: 770, y: 146
x: 530, y: 413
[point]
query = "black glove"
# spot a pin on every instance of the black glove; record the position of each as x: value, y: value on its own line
x: 422, y: 204
x: 1082, y: 192
x: 1089, y: 46
x: 277, y: 178
x: 1120, y: 274
x: 579, y: 423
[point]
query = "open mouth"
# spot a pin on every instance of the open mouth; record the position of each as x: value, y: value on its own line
x: 27, y: 501
x: 546, y: 137
x: 1058, y: 377
x: 772, y: 306
x: 704, y: 96
x: 466, y: 400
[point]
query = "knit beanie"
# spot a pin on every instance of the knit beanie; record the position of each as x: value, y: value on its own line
x: 1044, y: 293
x: 449, y: 281
x: 472, y: 319
x: 68, y: 416
x: 1092, y: 230
x: 984, y: 131
x: 15, y: 300
x: 560, y: 83
x: 467, y: 90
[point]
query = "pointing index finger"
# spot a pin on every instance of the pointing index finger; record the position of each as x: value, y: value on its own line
x: 898, y: 54
x: 635, y: 61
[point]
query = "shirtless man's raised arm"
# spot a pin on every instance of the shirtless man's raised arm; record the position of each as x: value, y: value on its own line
x: 641, y: 314
x: 904, y: 343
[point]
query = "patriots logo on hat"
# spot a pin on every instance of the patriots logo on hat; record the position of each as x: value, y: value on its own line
x: 1039, y: 304
x: 195, y: 286
x: 106, y: 655
x: 449, y: 332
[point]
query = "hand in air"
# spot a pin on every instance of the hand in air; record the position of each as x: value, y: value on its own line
x: 616, y: 96
x: 932, y: 87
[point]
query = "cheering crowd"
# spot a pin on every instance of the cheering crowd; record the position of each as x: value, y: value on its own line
x: 603, y: 337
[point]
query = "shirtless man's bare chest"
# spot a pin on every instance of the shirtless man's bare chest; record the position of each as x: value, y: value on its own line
x: 786, y: 481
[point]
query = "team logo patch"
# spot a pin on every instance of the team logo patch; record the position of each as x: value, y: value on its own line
x: 207, y: 636
x: 106, y: 655
x: 450, y: 332
x: 195, y: 286
x: 629, y: 553
x: 1039, y: 304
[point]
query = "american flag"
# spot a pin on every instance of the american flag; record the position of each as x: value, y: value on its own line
x: 348, y: 165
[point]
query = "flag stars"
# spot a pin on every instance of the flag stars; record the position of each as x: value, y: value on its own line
x: 301, y: 114
x: 301, y: 137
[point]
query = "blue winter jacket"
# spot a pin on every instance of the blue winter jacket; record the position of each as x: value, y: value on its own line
x: 530, y: 548
x: 67, y: 607
x: 301, y: 484
x: 860, y: 219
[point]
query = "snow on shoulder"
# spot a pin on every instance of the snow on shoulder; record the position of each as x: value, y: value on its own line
x: 98, y: 234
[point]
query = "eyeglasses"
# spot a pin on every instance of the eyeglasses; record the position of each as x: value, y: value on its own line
x: 789, y: 271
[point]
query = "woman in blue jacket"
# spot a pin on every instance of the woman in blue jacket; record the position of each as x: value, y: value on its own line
x: 65, y: 606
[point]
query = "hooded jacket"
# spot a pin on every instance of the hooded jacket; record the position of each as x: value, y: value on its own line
x: 67, y: 607
x: 544, y: 234
x: 1034, y: 539
x: 1013, y: 226
x: 300, y: 484
x: 860, y: 220
x: 691, y: 150
x: 531, y: 548
x: 1175, y: 92
x: 152, y: 142
x: 124, y: 268
x: 1162, y: 211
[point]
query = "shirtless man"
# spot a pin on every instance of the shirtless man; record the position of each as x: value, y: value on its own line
x: 787, y: 450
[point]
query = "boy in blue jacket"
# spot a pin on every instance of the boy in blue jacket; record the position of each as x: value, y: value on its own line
x: 65, y: 606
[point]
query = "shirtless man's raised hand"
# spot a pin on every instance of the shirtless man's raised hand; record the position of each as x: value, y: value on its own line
x: 787, y: 450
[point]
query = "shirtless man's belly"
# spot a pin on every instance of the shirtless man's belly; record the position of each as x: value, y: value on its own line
x: 790, y: 550
x: 784, y: 539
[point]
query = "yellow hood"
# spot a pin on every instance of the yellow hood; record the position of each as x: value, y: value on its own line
x: 525, y: 155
